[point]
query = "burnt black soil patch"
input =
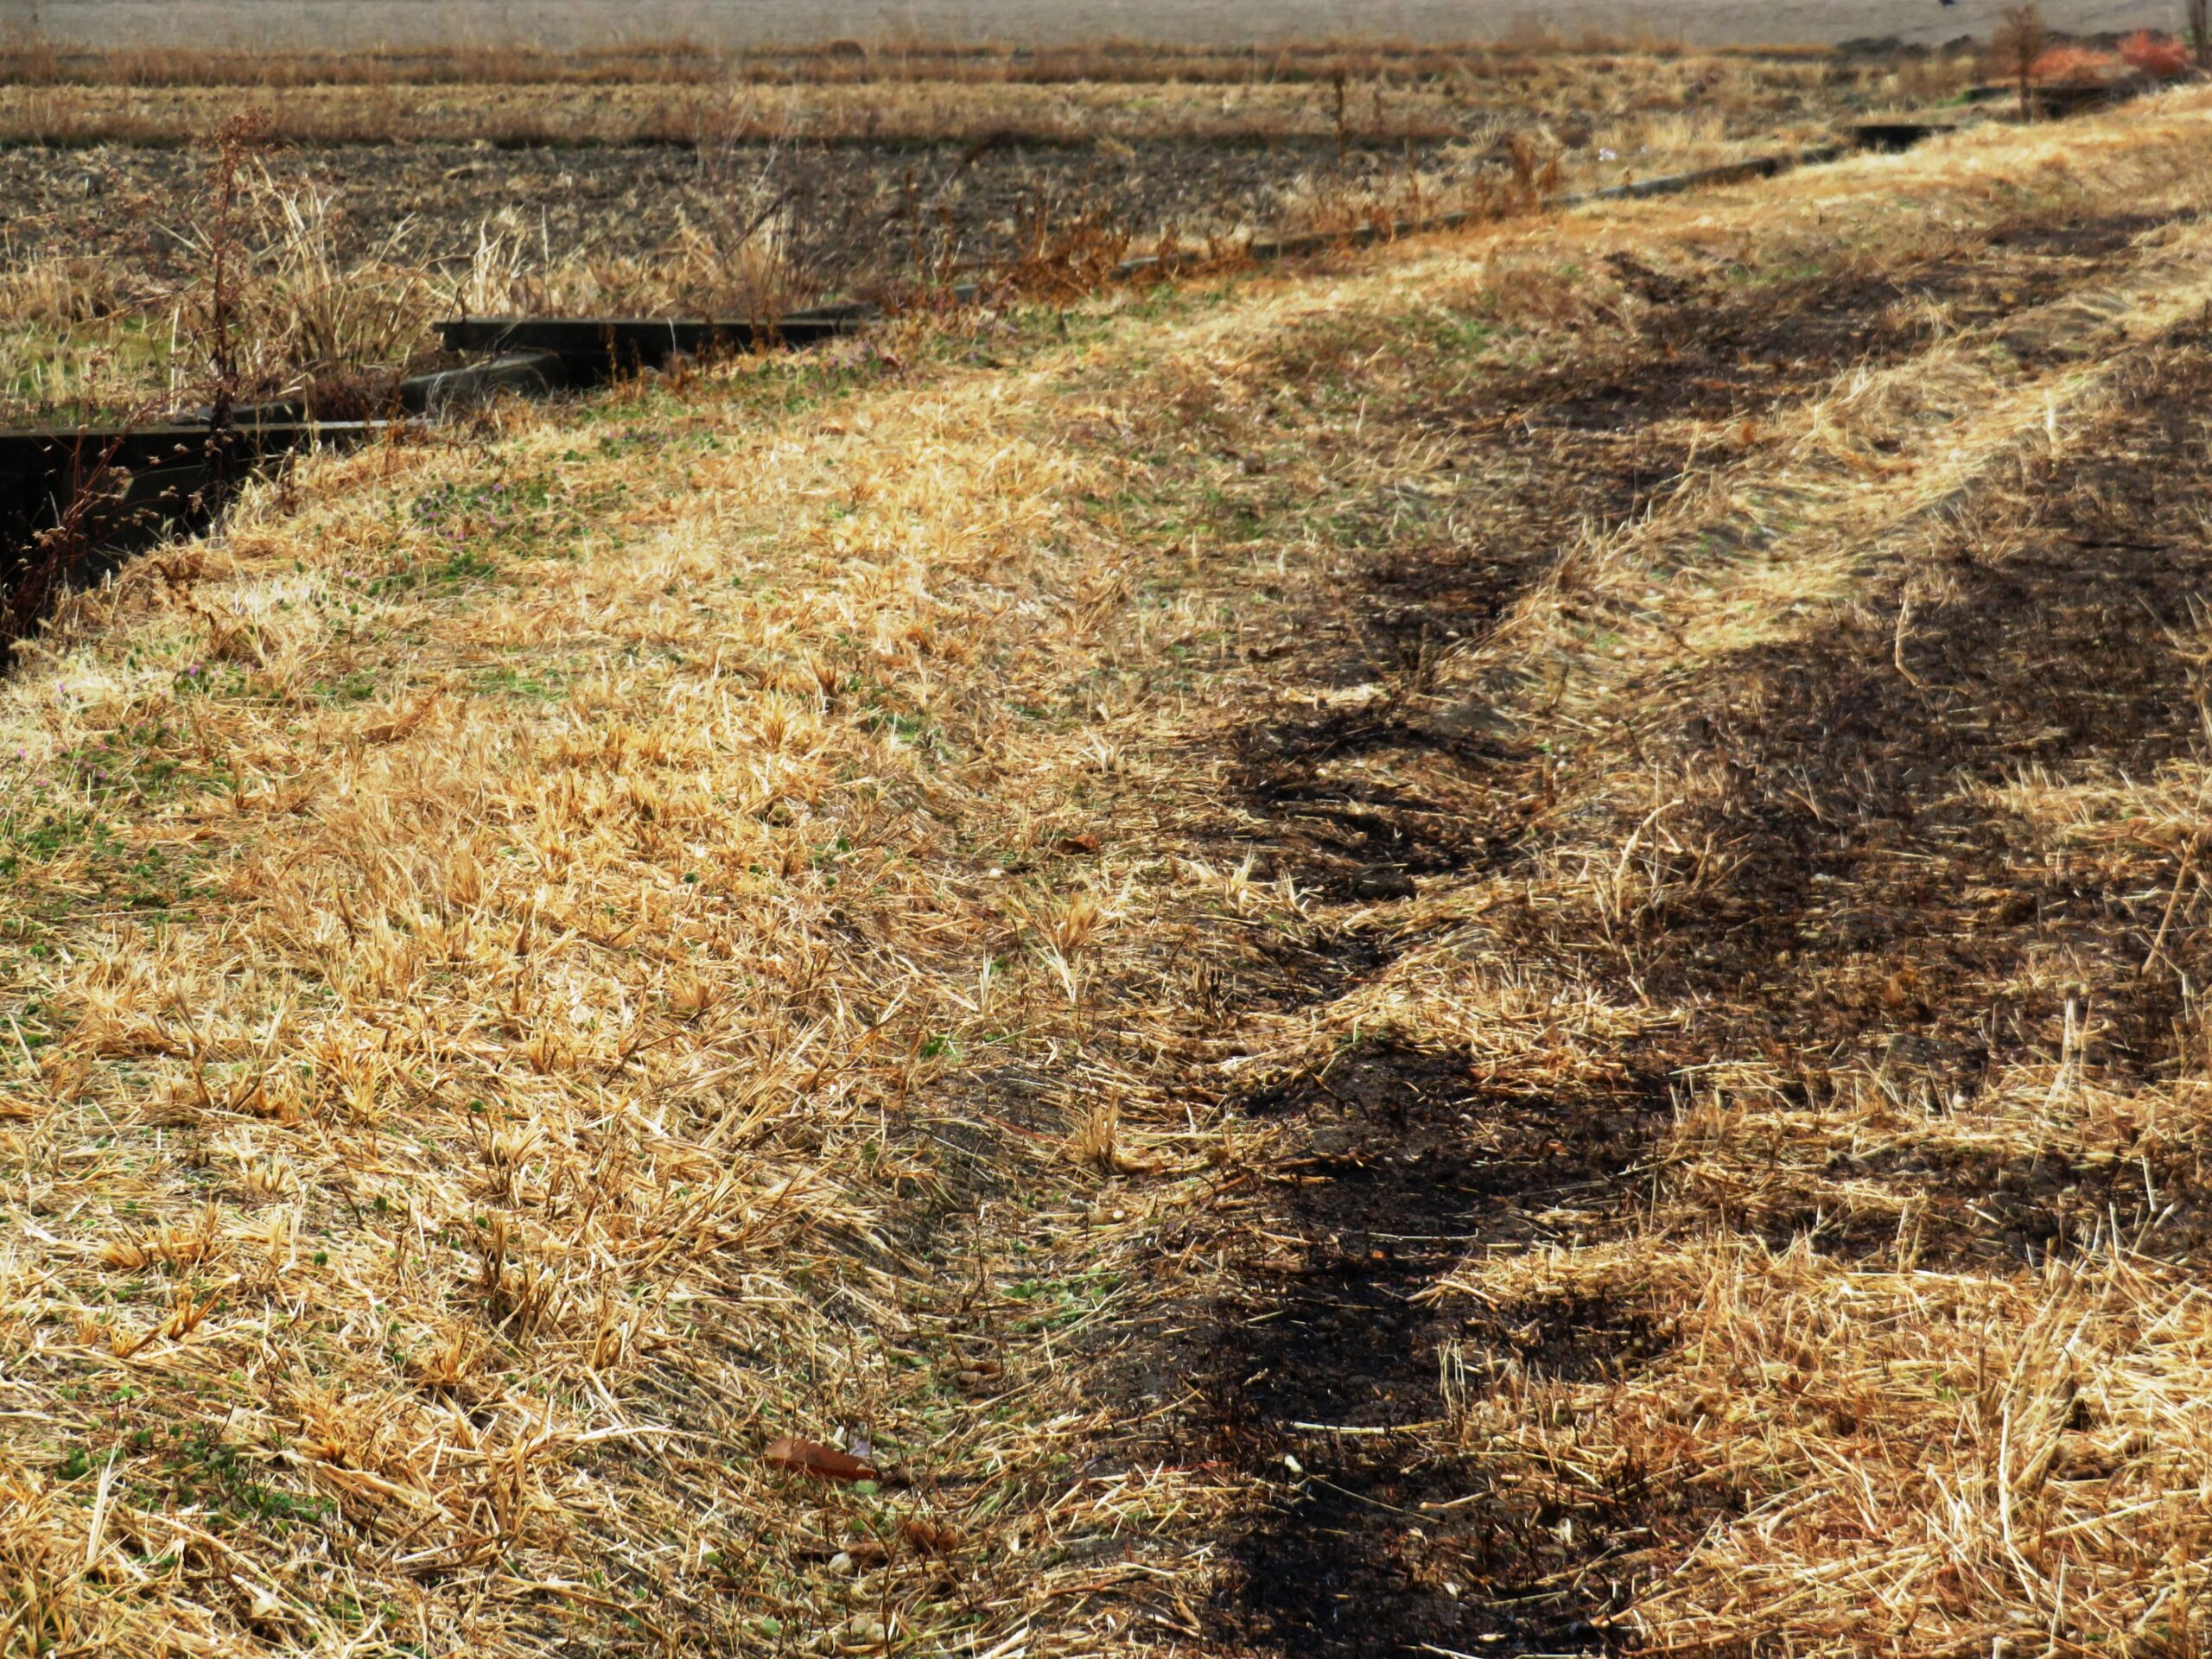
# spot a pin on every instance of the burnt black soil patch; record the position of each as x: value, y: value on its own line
x: 1557, y: 456
x: 1878, y: 904
x: 1523, y: 496
x: 1979, y: 1206
x: 1455, y: 797
x: 1542, y: 462
x: 1318, y: 1373
x: 1399, y: 1165
x: 1856, y: 816
x: 2096, y: 237
x: 1449, y: 789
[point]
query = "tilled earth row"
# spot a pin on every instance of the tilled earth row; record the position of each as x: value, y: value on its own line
x: 432, y: 203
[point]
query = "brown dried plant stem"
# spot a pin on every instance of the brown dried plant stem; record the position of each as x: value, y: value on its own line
x: 2020, y: 39
x: 235, y: 147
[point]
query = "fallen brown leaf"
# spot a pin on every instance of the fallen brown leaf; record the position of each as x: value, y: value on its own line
x: 928, y: 1537
x: 812, y: 1457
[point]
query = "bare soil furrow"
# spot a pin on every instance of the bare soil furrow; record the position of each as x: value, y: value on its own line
x: 1397, y: 1164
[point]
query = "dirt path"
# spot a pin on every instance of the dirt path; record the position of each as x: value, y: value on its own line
x: 1806, y: 852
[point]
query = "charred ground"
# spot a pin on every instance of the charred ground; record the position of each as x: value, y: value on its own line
x: 1843, y: 897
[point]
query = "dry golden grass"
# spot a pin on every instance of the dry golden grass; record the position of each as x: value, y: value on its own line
x: 526, y: 1051
x: 1377, y: 105
x: 545, y: 958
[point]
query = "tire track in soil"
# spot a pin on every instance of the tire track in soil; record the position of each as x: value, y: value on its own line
x: 1400, y: 1162
x: 1712, y: 351
x: 1403, y: 1165
x: 1879, y: 911
x: 1549, y: 454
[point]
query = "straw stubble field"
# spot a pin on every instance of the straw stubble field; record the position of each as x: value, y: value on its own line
x: 1492, y: 946
x: 375, y: 192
